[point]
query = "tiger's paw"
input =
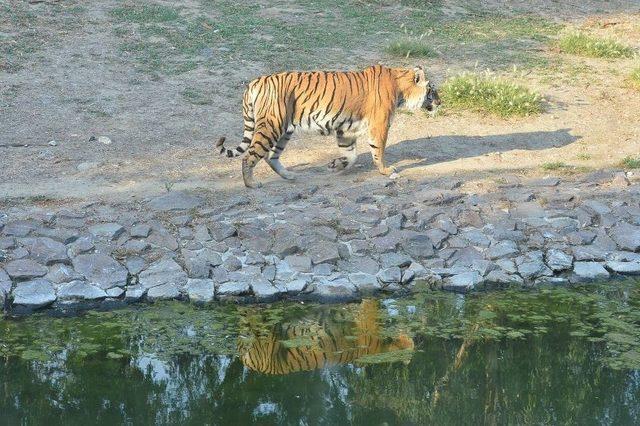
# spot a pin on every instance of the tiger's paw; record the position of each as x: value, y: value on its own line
x: 286, y: 174
x: 338, y: 164
x: 388, y: 171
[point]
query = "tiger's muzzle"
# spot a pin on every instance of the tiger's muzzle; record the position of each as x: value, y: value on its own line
x: 432, y: 100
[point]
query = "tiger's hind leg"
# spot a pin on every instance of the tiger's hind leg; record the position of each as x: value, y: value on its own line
x: 264, y: 139
x: 347, y: 147
x: 273, y: 159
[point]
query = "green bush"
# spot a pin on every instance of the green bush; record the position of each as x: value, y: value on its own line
x: 582, y: 44
x: 489, y: 94
x: 415, y: 48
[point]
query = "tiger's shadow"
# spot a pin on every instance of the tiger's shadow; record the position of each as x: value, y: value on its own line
x: 441, y: 149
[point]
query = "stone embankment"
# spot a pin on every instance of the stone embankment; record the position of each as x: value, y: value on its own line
x: 315, y: 244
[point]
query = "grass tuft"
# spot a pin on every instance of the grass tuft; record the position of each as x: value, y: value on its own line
x: 630, y: 162
x: 582, y: 44
x: 411, y: 48
x: 554, y: 165
x: 634, y: 78
x: 489, y: 94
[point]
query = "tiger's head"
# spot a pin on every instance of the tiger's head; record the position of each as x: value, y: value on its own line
x: 416, y: 91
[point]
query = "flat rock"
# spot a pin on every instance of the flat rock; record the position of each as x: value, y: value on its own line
x: 297, y: 285
x: 61, y: 273
x: 499, y: 276
x: 418, y: 247
x: 462, y: 283
x: 134, y: 293
x: 326, y: 252
x: 198, y: 263
x: 264, y: 291
x: 108, y: 231
x: 588, y: 271
x: 388, y: 260
x: 233, y: 288
x: 34, y: 294
x: 24, y: 269
x: 80, y: 246
x: 101, y: 270
x: 140, y: 231
x: 79, y: 290
x: 163, y: 273
x: 626, y: 268
x: 200, y: 290
x: 502, y: 249
x: 558, y: 260
x: 532, y: 266
x: 20, y: 228
x: 299, y: 263
x: 365, y: 283
x: 221, y: 231
x: 391, y: 275
x: 47, y: 251
x: 135, y: 264
x: 167, y: 291
x: 626, y: 236
x: 176, y: 200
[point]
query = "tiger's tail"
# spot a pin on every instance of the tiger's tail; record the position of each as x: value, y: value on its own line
x: 249, y: 126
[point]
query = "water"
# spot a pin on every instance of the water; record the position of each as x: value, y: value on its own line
x: 550, y: 356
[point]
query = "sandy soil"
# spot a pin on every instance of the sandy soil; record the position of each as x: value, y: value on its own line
x: 77, y: 89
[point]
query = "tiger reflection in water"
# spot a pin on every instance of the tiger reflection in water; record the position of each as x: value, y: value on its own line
x: 324, y: 342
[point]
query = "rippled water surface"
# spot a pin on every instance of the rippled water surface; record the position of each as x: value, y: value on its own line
x: 546, y: 356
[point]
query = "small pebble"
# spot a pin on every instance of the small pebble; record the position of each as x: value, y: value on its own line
x: 104, y: 140
x: 53, y: 143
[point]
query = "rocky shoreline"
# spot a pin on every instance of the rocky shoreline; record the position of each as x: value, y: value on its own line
x: 379, y: 236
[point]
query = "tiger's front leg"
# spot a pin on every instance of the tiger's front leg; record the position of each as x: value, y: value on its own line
x: 347, y: 147
x: 377, y: 143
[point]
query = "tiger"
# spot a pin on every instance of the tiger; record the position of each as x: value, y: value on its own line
x: 351, y: 104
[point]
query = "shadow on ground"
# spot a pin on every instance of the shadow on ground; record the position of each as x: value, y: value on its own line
x: 440, y: 149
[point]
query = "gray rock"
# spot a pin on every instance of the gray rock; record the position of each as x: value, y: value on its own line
x: 565, y: 223
x: 408, y: 275
x: 5, y: 287
x: 167, y: 291
x: 60, y: 273
x: 476, y: 237
x: 164, y: 272
x: 24, y: 269
x: 502, y: 249
x: 588, y: 253
x: 483, y: 267
x: 221, y: 231
x: 437, y: 236
x: 80, y: 246
x: 109, y: 231
x: 340, y: 290
x: 19, y: 228
x: 297, y: 285
x: 323, y: 269
x: 136, y: 246
x: 78, y: 291
x: 391, y: 275
x: 232, y: 263
x: 588, y: 271
x: 264, y: 291
x: 418, y: 246
x: 395, y: 259
x: 47, y: 251
x: 365, y: 283
x: 233, y: 288
x: 7, y: 243
x: 531, y: 266
x: 200, y: 290
x: 558, y: 260
x: 62, y: 235
x: 201, y: 233
x: 499, y: 276
x: 299, y: 263
x: 462, y: 283
x: 135, y: 265
x: 626, y: 268
x: 140, y: 231
x: 177, y: 200
x: 101, y: 270
x: 395, y: 221
x: 447, y: 225
x: 626, y: 236
x: 198, y: 263
x: 34, y: 294
x: 115, y: 292
x: 254, y: 258
x: 507, y: 265
x: 134, y: 293
x: 326, y: 252
x: 377, y: 231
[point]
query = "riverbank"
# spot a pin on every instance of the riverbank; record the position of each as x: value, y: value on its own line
x: 319, y: 243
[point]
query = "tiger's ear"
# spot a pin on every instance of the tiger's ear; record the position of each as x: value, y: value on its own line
x: 419, y: 76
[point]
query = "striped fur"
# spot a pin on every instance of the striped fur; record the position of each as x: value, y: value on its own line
x: 347, y: 104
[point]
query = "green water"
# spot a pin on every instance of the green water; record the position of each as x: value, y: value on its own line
x: 551, y: 356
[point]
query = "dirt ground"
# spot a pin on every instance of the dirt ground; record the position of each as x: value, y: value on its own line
x: 73, y: 71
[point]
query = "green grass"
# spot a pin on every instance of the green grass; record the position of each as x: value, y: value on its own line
x: 483, y: 93
x: 196, y: 97
x: 411, y: 48
x: 634, y: 78
x: 630, y: 162
x: 578, y: 43
x: 583, y: 156
x: 145, y: 13
x: 554, y: 165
